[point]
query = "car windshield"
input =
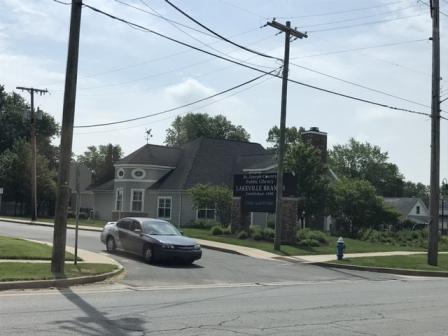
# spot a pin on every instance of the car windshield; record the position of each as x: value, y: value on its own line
x: 160, y: 228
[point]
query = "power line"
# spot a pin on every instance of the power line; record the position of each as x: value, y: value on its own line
x: 179, y: 107
x: 342, y: 12
x: 196, y: 109
x: 219, y: 35
x: 360, y: 85
x: 357, y: 18
x: 365, y: 23
x: 367, y: 101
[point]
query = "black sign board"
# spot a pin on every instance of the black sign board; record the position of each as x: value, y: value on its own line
x: 258, y: 191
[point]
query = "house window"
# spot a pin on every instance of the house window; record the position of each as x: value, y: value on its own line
x: 120, y: 173
x: 137, y: 200
x: 164, y: 207
x: 119, y: 199
x: 138, y: 174
x: 207, y: 212
x: 417, y: 210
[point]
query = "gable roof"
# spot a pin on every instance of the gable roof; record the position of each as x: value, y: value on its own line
x: 107, y: 186
x: 207, y: 160
x: 153, y: 155
x: 404, y: 205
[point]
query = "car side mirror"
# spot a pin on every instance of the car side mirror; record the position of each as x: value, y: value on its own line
x: 181, y: 232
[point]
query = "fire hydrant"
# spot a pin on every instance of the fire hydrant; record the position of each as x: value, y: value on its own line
x: 340, y: 248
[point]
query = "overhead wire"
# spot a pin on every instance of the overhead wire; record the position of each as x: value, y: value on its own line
x: 367, y: 101
x: 179, y: 107
x: 221, y: 36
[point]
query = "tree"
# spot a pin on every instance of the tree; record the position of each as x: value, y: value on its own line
x: 363, y: 161
x: 14, y: 125
x: 101, y: 161
x: 354, y: 205
x: 219, y: 197
x: 15, y: 165
x: 312, y: 182
x: 194, y: 125
x: 411, y: 189
x: 292, y: 136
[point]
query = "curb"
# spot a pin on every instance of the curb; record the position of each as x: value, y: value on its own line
x: 222, y: 249
x: 60, y: 283
x: 399, y: 271
x: 69, y: 226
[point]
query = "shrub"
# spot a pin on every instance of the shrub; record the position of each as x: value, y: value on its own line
x: 309, y: 242
x: 216, y: 230
x: 307, y: 234
x: 202, y: 224
x: 227, y: 231
x: 271, y: 223
x: 269, y: 234
x: 242, y: 235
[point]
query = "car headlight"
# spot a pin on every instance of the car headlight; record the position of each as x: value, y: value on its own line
x: 168, y: 246
x: 197, y: 247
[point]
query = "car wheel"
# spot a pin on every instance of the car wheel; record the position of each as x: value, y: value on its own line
x: 148, y: 254
x: 110, y: 244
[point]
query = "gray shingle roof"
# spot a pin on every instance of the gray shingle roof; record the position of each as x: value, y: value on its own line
x: 404, y: 205
x: 108, y: 186
x: 206, y: 160
x: 153, y: 155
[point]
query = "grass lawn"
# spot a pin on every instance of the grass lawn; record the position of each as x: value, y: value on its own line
x: 412, y: 262
x: 72, y: 221
x: 352, y: 245
x: 11, y: 271
x: 14, y: 248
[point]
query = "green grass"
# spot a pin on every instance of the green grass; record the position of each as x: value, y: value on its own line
x: 12, y: 271
x: 14, y: 248
x: 411, y: 262
x: 352, y: 245
x: 71, y: 221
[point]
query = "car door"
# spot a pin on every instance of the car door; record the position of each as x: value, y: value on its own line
x: 124, y: 233
x: 135, y: 239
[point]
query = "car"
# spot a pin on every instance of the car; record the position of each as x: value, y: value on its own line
x: 153, y: 239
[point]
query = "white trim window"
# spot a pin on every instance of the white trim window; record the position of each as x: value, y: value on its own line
x: 119, y: 199
x: 207, y: 213
x: 120, y: 173
x: 137, y: 198
x: 164, y: 204
x: 138, y: 174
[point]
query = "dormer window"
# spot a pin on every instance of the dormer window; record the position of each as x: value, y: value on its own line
x: 417, y: 210
x: 138, y: 173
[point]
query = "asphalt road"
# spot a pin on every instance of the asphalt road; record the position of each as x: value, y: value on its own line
x: 226, y: 294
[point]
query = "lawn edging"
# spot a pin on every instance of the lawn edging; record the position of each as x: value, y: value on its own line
x: 399, y: 271
x: 60, y: 283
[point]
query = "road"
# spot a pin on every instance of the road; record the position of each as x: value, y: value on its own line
x: 226, y: 294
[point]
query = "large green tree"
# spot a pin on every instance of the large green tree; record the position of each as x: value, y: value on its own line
x: 15, y: 178
x: 195, y: 125
x: 100, y: 160
x: 364, y: 161
x: 312, y: 182
x: 353, y: 205
x: 293, y: 135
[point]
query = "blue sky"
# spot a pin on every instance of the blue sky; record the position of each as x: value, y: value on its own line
x: 125, y: 73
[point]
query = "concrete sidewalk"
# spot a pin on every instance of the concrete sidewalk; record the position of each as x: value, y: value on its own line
x: 39, y: 223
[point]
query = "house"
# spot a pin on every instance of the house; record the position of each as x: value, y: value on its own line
x: 410, y: 208
x: 154, y: 180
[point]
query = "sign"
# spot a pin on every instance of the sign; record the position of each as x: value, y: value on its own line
x: 258, y: 191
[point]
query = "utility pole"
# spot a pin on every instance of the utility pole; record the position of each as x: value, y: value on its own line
x: 63, y: 192
x: 433, y: 243
x: 78, y: 204
x: 278, y: 209
x: 33, y: 149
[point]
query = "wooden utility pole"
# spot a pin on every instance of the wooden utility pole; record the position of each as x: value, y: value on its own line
x: 63, y: 192
x: 433, y: 244
x: 281, y: 153
x: 33, y: 149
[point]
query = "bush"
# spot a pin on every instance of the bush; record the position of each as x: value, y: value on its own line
x: 307, y: 234
x: 242, y: 235
x: 309, y: 243
x: 258, y: 233
x: 227, y: 230
x: 202, y: 224
x: 271, y: 223
x: 216, y: 230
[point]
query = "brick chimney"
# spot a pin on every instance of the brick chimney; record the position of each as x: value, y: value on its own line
x: 318, y: 140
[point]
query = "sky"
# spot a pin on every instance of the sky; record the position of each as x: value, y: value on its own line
x: 376, y: 50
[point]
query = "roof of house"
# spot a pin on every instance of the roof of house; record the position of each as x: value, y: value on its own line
x: 209, y: 161
x: 403, y: 204
x: 153, y: 155
x: 107, y: 186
